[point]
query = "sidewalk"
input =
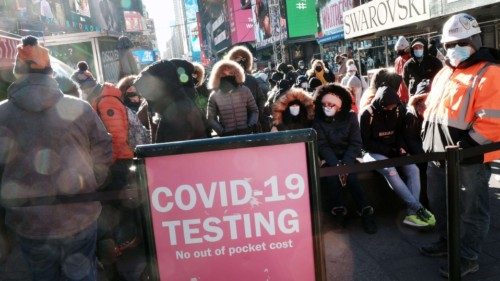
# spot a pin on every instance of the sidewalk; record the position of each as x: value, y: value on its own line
x: 350, y: 254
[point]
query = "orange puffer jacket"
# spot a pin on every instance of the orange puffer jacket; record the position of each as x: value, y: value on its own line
x: 113, y: 114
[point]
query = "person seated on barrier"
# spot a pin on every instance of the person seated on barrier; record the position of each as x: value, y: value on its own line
x: 339, y: 143
x: 293, y: 110
x: 382, y: 77
x: 381, y: 126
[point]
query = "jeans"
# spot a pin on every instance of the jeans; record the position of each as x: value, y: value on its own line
x: 333, y: 183
x: 71, y: 258
x: 474, y: 205
x: 408, y: 190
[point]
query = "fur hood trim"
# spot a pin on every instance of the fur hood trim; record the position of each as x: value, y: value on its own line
x: 199, y: 70
x: 242, y: 51
x: 220, y: 67
x: 291, y: 95
x: 310, y: 72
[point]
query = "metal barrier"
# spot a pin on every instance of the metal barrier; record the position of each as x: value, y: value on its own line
x: 452, y: 157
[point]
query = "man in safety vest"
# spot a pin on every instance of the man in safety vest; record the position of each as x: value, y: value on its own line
x: 463, y: 108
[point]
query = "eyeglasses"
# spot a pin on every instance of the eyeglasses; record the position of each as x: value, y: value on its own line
x: 454, y: 44
x: 329, y: 105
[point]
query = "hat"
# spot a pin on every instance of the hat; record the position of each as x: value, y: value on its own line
x: 417, y: 43
x: 401, y: 44
x: 84, y: 78
x: 386, y: 96
x: 352, y: 67
x: 284, y: 85
x: 314, y: 83
x: 158, y: 81
x: 185, y: 72
x: 31, y: 57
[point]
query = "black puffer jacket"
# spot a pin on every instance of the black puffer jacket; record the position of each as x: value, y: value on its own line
x: 416, y: 71
x: 339, y: 138
x: 382, y: 131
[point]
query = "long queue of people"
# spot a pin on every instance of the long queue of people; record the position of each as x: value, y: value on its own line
x: 66, y: 144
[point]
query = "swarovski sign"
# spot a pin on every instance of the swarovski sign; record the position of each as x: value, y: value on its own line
x: 380, y: 15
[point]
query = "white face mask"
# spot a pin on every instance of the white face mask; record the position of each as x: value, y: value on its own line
x: 329, y: 111
x: 458, y: 54
x: 418, y: 53
x: 294, y: 110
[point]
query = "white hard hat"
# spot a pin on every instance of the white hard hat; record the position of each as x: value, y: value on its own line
x: 459, y: 26
x: 401, y: 44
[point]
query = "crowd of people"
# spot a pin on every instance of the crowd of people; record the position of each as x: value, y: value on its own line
x: 54, y: 143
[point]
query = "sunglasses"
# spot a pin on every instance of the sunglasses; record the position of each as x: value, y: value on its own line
x: 454, y: 44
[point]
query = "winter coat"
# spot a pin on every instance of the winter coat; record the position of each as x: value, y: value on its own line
x: 128, y: 64
x: 399, y: 66
x: 468, y: 118
x: 283, y: 120
x: 416, y: 71
x: 412, y: 131
x: 339, y: 138
x: 113, y: 112
x: 52, y: 144
x: 382, y: 131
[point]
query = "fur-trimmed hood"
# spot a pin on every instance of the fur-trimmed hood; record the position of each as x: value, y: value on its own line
x: 218, y: 71
x: 199, y: 71
x: 293, y: 94
x: 241, y: 51
x: 337, y: 90
x: 311, y: 71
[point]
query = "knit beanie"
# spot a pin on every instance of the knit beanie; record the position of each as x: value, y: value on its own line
x: 31, y: 57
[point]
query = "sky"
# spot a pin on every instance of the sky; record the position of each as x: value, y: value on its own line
x: 162, y: 13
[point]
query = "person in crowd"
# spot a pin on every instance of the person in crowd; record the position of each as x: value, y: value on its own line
x: 402, y: 49
x: 231, y: 107
x: 293, y: 110
x: 314, y: 83
x: 421, y: 65
x: 128, y: 64
x: 382, y: 77
x: 369, y: 62
x: 353, y: 83
x: 84, y: 78
x: 52, y: 144
x: 185, y: 71
x: 469, y: 82
x: 301, y: 68
x: 413, y: 120
x: 381, y: 126
x: 244, y: 57
x: 341, y: 61
x: 263, y: 82
x: 329, y: 71
x: 434, y: 50
x: 68, y: 86
x: 339, y: 143
x: 302, y: 82
x: 179, y: 118
x: 319, y: 71
x: 202, y: 93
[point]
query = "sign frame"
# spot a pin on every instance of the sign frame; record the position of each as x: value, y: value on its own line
x: 305, y: 136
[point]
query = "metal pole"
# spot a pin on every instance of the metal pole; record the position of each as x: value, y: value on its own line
x: 453, y: 209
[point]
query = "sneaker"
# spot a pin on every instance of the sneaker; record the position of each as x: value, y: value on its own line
x: 339, y: 216
x: 436, y: 249
x: 424, y: 215
x: 466, y: 266
x: 415, y: 221
x: 368, y: 220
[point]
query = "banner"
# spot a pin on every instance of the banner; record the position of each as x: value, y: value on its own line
x: 107, y: 14
x: 234, y: 214
x: 192, y: 29
x: 265, y: 32
x: 381, y: 15
x: 331, y: 21
x: 241, y: 20
x: 133, y: 21
x: 8, y: 51
x: 301, y: 17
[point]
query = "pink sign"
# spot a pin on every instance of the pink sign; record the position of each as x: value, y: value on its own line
x: 239, y: 214
x: 241, y: 20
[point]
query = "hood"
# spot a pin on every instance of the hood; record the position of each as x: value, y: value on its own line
x: 385, y: 96
x: 401, y: 44
x: 337, y: 90
x: 124, y: 43
x: 311, y: 71
x: 220, y: 67
x: 423, y: 41
x: 199, y: 70
x: 185, y: 71
x: 293, y: 94
x: 35, y: 92
x: 159, y: 81
x: 241, y: 51
x: 483, y: 54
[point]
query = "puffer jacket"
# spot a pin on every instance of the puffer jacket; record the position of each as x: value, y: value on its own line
x: 51, y: 144
x: 113, y: 113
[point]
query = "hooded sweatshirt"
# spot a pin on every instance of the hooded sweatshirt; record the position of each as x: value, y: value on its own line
x: 51, y: 144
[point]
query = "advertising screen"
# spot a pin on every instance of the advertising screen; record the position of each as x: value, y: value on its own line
x: 240, y: 16
x: 301, y: 18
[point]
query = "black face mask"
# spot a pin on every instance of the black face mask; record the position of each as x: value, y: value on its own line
x: 228, y: 83
x: 318, y: 68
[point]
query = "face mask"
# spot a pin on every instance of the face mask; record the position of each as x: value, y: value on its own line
x: 318, y: 68
x: 458, y: 54
x: 418, y: 53
x: 294, y: 110
x: 228, y: 83
x: 329, y: 111
x: 304, y: 85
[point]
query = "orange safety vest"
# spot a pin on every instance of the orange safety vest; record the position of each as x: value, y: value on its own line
x: 468, y: 99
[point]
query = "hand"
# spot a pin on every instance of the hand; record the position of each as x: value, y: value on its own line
x: 402, y: 151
